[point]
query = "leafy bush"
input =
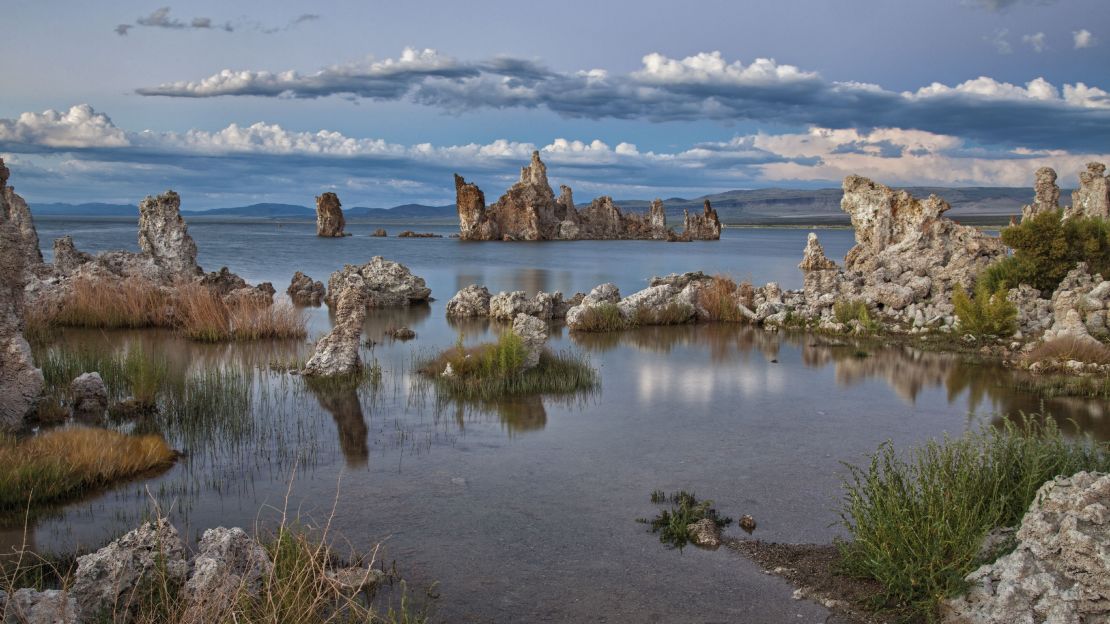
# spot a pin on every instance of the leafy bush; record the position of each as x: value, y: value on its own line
x: 917, y: 523
x: 604, y: 317
x: 987, y: 313
x: 1046, y: 247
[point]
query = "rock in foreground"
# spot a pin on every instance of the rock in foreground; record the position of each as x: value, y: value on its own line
x: 1060, y: 570
x: 337, y: 353
x: 304, y: 291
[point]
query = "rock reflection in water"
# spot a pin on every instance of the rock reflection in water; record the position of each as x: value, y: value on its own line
x: 344, y: 406
x: 517, y: 415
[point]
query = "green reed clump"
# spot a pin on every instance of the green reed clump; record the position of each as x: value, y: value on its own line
x: 848, y: 310
x: 603, y: 317
x: 491, y: 371
x: 672, y: 524
x: 135, y: 371
x: 917, y: 522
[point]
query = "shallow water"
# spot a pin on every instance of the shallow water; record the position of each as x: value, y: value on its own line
x: 524, y: 511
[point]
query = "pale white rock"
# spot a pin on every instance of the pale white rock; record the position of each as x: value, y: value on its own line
x: 472, y: 301
x: 88, y: 396
x: 387, y: 284
x: 227, y: 561
x: 337, y: 352
x: 533, y: 333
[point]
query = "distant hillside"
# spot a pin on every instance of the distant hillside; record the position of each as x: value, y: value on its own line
x: 759, y: 206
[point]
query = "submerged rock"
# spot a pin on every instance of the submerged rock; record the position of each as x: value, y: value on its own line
x: 387, y: 284
x: 704, y: 533
x: 329, y: 216
x: 304, y: 291
x: 106, y: 580
x: 533, y: 333
x: 401, y: 333
x: 529, y: 211
x: 472, y: 301
x: 21, y: 383
x: 88, y: 396
x: 1059, y: 570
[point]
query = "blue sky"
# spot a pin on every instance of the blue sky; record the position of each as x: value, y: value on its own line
x: 382, y: 101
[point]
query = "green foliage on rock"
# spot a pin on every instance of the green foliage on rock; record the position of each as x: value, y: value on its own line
x: 986, y: 314
x: 1046, y: 246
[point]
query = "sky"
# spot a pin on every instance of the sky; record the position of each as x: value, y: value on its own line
x: 380, y: 102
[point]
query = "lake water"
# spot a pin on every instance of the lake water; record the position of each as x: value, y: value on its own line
x: 525, y: 511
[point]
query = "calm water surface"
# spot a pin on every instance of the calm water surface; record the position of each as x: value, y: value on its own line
x: 524, y: 511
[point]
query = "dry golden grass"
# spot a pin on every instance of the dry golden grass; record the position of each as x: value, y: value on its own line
x: 63, y: 463
x: 132, y: 302
x: 721, y: 296
x: 1069, y: 348
x: 203, y: 315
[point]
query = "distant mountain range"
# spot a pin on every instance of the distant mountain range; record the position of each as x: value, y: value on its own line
x: 760, y: 206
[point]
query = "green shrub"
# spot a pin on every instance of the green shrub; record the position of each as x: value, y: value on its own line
x: 1046, y: 247
x: 672, y: 524
x: 604, y: 317
x: 987, y: 313
x: 917, y: 523
x: 847, y: 310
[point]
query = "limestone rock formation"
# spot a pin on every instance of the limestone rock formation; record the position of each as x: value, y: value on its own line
x: 227, y: 560
x: 672, y: 299
x: 1079, y: 306
x: 814, y: 258
x: 329, y: 216
x: 106, y: 580
x: 164, y: 236
x: 1046, y: 195
x: 506, y: 306
x: 67, y: 258
x: 601, y: 294
x: 337, y: 352
x: 704, y: 533
x: 88, y: 396
x: 304, y: 291
x: 1059, y: 570
x: 379, y: 233
x: 19, y: 215
x: 21, y: 383
x: 472, y: 301
x: 30, y: 606
x: 1092, y: 198
x: 387, y: 284
x: 530, y: 211
x: 533, y: 333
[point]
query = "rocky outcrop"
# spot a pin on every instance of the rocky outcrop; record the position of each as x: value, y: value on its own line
x: 668, y: 300
x: 412, y: 234
x: 533, y: 333
x: 506, y: 306
x: 304, y: 291
x: 529, y: 211
x: 472, y: 301
x: 1058, y: 572
x: 105, y: 581
x: 336, y: 353
x: 21, y: 383
x: 1079, y: 306
x: 379, y: 233
x: 228, y: 561
x: 387, y: 284
x: 1046, y: 194
x: 30, y: 606
x: 88, y: 397
x: 18, y: 215
x: 329, y: 216
x: 1092, y: 198
x: 164, y: 237
x: 67, y: 258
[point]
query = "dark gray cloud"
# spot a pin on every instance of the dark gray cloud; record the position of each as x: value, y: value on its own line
x: 701, y: 87
x: 161, y: 18
x: 1002, y: 5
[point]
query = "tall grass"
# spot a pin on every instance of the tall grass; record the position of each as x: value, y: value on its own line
x: 130, y: 303
x: 64, y: 463
x: 671, y: 314
x: 847, y: 310
x: 134, y: 372
x: 491, y: 371
x: 721, y: 299
x: 205, y: 316
x: 603, y: 317
x: 1068, y: 348
x: 917, y: 522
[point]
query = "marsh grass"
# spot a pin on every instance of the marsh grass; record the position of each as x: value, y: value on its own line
x: 1068, y: 348
x: 129, y: 303
x: 917, y: 521
x: 671, y: 524
x: 491, y: 371
x: 721, y: 298
x: 670, y: 314
x: 204, y: 316
x: 65, y: 463
x: 847, y: 310
x: 135, y: 371
x: 986, y: 314
x: 604, y: 317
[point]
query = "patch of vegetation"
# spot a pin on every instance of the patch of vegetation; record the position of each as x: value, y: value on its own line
x: 671, y: 524
x: 917, y: 521
x: 491, y: 371
x: 134, y: 372
x: 604, y: 317
x: 847, y: 310
x: 986, y: 315
x: 1047, y: 246
x: 722, y: 299
x: 671, y: 314
x: 1068, y: 348
x: 129, y: 303
x: 206, y: 317
x: 64, y: 463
